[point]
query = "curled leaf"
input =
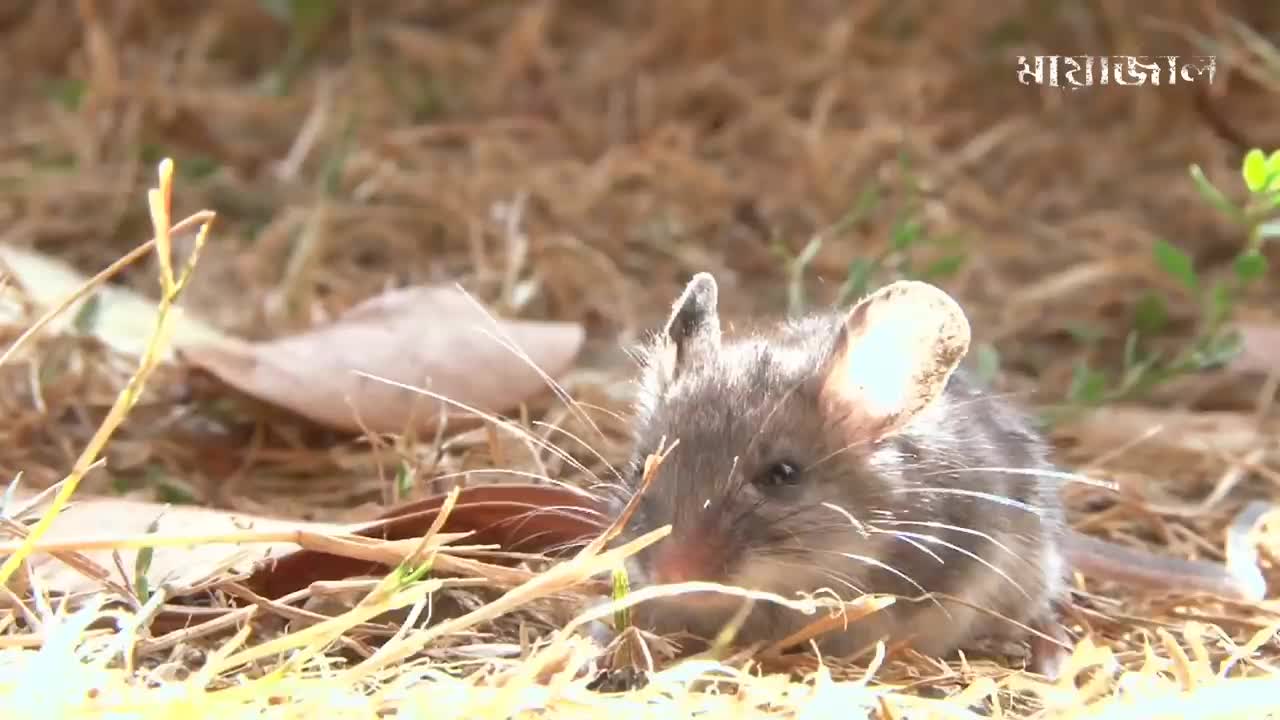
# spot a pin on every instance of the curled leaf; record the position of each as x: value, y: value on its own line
x: 433, y: 338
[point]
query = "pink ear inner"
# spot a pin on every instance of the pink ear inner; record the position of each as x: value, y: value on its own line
x: 896, y: 352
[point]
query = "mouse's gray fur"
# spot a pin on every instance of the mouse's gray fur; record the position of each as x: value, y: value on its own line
x: 921, y: 516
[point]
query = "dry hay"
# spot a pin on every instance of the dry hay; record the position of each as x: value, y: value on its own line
x: 580, y: 161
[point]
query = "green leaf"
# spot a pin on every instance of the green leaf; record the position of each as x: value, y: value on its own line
x: 1150, y: 315
x: 142, y: 562
x: 857, y: 280
x: 1254, y: 170
x: 1141, y: 366
x: 86, y: 318
x: 1214, y: 196
x: 1176, y: 263
x: 1250, y: 266
x: 865, y: 204
x: 943, y: 267
x: 404, y: 479
x: 905, y: 234
x: 988, y: 362
x: 1217, y: 351
x: 173, y: 495
x: 1273, y: 171
x: 1085, y: 334
x: 1220, y: 301
x: 1088, y: 386
x: 1136, y: 365
x: 69, y: 92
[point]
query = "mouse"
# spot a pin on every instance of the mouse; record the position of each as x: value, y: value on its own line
x: 852, y: 451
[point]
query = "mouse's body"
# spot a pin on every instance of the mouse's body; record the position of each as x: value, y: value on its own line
x: 845, y: 452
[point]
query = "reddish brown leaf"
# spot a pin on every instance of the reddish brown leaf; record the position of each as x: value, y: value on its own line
x: 516, y: 517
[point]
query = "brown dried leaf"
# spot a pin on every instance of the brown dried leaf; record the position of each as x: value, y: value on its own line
x: 180, y: 566
x: 433, y: 337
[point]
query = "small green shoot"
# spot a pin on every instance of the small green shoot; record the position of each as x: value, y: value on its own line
x: 86, y: 317
x: 142, y: 564
x: 907, y: 235
x: 987, y: 364
x: 407, y: 573
x: 1215, y: 342
x: 404, y: 479
x: 621, y: 588
x: 67, y: 92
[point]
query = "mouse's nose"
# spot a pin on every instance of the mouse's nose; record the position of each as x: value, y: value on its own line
x: 678, y: 561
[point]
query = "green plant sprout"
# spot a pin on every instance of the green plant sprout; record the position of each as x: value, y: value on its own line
x: 899, y: 260
x: 907, y: 235
x: 1215, y: 342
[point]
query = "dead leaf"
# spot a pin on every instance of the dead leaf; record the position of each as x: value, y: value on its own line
x: 121, y: 318
x: 516, y: 517
x: 431, y: 337
x: 105, y: 518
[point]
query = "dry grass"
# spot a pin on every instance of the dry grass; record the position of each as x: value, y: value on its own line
x: 579, y: 161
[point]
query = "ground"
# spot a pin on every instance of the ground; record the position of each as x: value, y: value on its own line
x: 578, y: 162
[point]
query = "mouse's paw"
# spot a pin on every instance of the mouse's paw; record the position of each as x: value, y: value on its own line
x: 999, y: 646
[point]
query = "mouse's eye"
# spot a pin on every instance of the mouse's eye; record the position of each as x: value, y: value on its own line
x: 778, y: 475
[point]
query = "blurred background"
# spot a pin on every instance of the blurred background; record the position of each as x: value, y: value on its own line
x: 578, y: 161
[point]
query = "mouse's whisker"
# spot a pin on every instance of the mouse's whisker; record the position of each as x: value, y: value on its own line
x: 519, y: 473
x: 567, y: 511
x: 1037, y: 472
x: 788, y: 561
x: 517, y: 430
x: 568, y: 545
x: 507, y: 343
x: 731, y: 488
x: 873, y: 562
x: 580, y: 441
x: 998, y: 499
x: 964, y: 551
x: 617, y: 491
x: 910, y: 540
x: 987, y: 397
x: 954, y: 528
x: 832, y: 455
x: 855, y: 522
x: 603, y: 410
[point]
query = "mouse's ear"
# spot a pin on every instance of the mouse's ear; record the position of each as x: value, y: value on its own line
x: 895, y: 352
x: 692, y: 329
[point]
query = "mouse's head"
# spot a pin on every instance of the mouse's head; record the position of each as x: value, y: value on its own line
x: 785, y: 435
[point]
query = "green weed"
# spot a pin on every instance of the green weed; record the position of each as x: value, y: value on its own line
x: 1215, y: 342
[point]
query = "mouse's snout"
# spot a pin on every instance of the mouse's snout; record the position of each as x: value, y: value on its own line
x: 677, y: 560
